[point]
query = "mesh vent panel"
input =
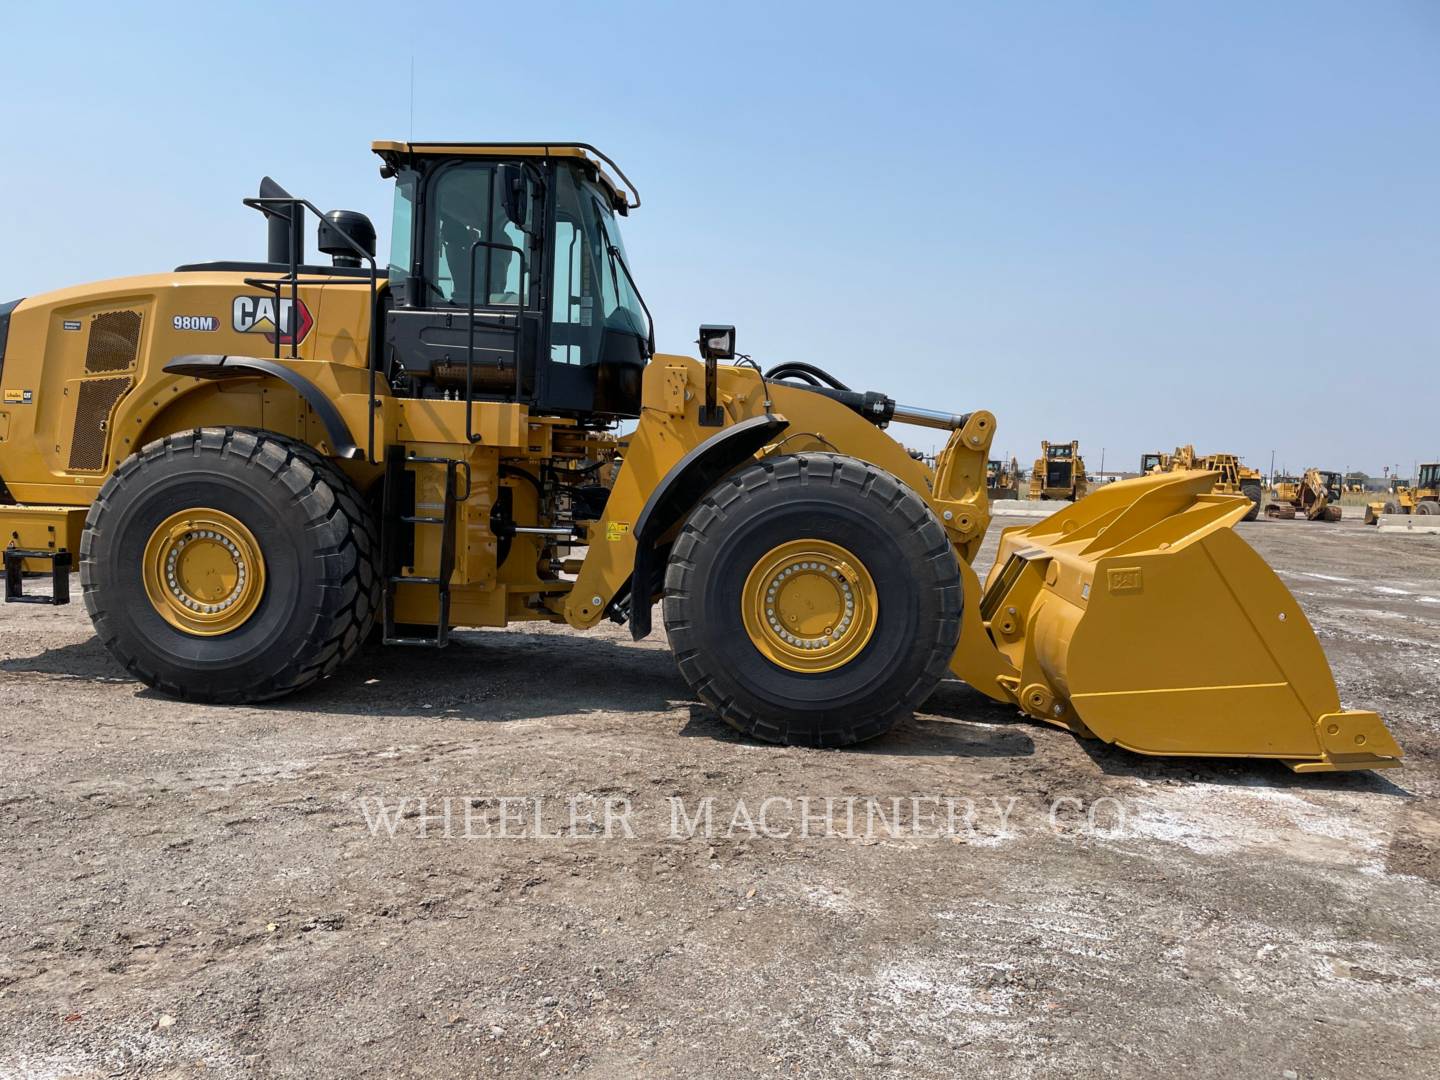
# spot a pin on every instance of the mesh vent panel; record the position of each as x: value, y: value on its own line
x: 114, y: 342
x: 92, y: 411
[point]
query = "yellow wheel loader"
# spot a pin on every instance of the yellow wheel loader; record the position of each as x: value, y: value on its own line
x: 1058, y: 473
x: 256, y: 463
x: 1423, y: 498
x: 1316, y: 495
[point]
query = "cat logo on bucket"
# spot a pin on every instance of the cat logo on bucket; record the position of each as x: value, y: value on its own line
x: 256, y: 315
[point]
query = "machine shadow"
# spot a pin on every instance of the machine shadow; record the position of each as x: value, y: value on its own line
x: 481, y: 676
x: 504, y: 675
x: 499, y: 675
x: 82, y: 661
x: 955, y: 722
x: 1234, y: 772
x: 959, y: 702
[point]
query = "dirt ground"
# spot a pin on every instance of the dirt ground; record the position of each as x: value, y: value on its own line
x: 199, y: 892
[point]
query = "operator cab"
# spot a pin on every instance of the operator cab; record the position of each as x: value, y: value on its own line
x: 509, y: 281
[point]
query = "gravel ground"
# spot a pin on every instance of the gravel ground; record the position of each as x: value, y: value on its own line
x: 193, y: 891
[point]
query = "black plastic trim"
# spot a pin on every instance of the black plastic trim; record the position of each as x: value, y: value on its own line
x: 342, y: 441
x: 5, y: 310
x: 676, y: 495
x: 228, y: 266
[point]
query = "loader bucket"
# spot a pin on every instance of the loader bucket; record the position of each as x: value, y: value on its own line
x: 1139, y: 617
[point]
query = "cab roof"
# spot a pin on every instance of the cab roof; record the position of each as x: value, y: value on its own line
x: 395, y: 152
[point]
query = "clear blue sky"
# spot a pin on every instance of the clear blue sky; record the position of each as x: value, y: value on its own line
x: 1133, y: 224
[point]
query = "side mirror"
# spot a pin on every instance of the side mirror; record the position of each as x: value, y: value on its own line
x: 515, y: 194
x: 717, y: 343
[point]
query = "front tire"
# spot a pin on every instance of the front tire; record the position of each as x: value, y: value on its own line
x: 229, y: 566
x: 1256, y: 496
x: 812, y: 599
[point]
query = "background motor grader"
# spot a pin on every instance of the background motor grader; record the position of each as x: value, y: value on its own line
x: 257, y: 463
x: 1058, y: 473
x: 1316, y: 495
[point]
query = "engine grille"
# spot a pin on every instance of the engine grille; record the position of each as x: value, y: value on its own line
x: 114, y: 342
x: 92, y: 413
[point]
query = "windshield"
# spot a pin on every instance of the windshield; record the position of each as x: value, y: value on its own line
x: 592, y: 291
x: 622, y: 306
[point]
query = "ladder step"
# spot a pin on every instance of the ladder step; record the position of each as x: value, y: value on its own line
x: 429, y: 642
x: 393, y: 516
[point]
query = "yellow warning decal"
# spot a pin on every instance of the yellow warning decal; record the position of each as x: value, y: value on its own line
x: 617, y: 530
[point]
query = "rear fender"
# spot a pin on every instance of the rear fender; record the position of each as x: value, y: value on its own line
x: 342, y: 442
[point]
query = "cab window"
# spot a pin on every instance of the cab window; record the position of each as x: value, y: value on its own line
x: 402, y: 226
x: 463, y: 209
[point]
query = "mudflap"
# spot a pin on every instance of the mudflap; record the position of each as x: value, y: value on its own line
x: 1139, y: 617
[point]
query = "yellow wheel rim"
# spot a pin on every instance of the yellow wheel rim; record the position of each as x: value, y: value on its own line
x: 809, y: 606
x: 203, y: 572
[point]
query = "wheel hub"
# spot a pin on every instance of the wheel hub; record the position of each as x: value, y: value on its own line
x: 203, y: 572
x: 809, y: 605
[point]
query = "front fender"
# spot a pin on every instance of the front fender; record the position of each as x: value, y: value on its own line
x: 676, y: 495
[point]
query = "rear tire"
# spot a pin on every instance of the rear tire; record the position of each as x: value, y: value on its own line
x: 313, y: 544
x: 830, y: 502
x: 1427, y: 507
x: 1256, y: 495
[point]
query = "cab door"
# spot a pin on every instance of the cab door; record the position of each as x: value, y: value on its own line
x: 468, y: 256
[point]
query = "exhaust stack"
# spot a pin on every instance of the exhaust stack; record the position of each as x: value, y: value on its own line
x: 286, y: 237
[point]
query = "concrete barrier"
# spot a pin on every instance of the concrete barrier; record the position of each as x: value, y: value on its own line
x: 1026, y: 508
x: 1410, y: 523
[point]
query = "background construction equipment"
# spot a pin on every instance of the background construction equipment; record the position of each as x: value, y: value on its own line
x: 1002, y: 478
x: 1059, y: 472
x: 1316, y: 495
x: 1234, y: 479
x: 1423, y: 498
